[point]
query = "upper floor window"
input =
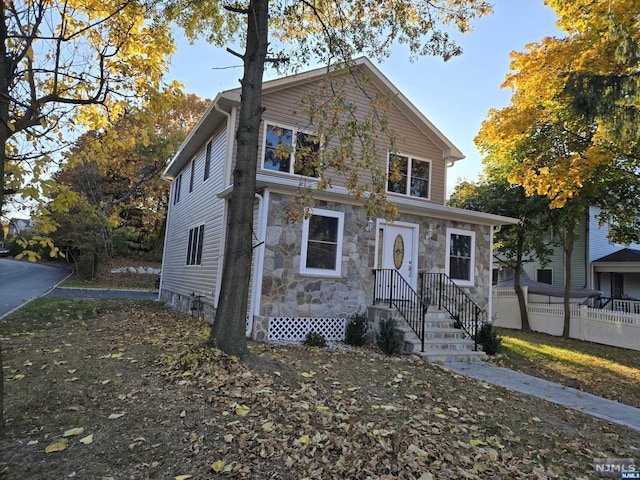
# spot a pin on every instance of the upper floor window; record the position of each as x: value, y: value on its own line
x: 191, y: 177
x: 460, y: 260
x: 291, y: 151
x: 408, y: 176
x: 322, y: 243
x: 207, y: 161
x: 176, y: 189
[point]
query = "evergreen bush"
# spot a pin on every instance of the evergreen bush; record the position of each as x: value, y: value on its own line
x: 388, y: 337
x: 488, y: 339
x: 314, y: 339
x: 356, y: 332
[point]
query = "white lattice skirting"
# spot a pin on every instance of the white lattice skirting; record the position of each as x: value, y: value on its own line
x: 295, y: 329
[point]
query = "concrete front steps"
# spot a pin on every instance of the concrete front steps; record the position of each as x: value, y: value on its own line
x: 443, y: 342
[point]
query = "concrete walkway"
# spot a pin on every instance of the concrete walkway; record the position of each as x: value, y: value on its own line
x: 608, y: 410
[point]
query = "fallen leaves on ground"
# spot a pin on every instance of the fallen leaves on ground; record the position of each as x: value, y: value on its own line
x: 183, y: 410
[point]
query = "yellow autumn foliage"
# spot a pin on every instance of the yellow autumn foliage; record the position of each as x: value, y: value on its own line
x: 548, y: 148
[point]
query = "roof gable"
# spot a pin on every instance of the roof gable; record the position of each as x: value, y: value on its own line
x: 227, y: 99
x: 380, y: 81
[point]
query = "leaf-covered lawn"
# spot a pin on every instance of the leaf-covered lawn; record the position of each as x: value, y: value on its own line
x: 132, y: 392
x: 602, y: 370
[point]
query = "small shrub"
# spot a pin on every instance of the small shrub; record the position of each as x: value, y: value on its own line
x: 488, y: 339
x: 388, y: 338
x: 356, y: 332
x: 314, y: 339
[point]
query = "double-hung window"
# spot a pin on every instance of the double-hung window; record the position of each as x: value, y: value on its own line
x: 409, y: 176
x: 460, y: 260
x: 291, y: 151
x: 194, y: 247
x: 322, y: 243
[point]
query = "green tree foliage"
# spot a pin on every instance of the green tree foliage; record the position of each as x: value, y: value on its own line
x: 571, y: 125
x: 516, y: 243
x: 69, y: 65
x: 113, y: 177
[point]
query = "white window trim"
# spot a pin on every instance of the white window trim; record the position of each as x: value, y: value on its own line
x: 472, y: 267
x: 411, y: 158
x: 292, y: 160
x: 337, y: 272
x: 196, y: 265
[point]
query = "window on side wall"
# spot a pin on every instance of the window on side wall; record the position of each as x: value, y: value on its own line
x: 544, y: 275
x: 290, y: 151
x: 191, y: 177
x: 176, y: 189
x: 409, y: 176
x: 460, y: 260
x: 194, y: 247
x: 322, y: 243
x: 207, y: 161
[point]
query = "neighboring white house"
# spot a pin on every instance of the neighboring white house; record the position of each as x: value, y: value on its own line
x: 320, y: 270
x: 19, y: 225
x: 597, y: 262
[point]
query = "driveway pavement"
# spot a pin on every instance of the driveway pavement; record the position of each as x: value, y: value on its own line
x: 21, y: 282
x: 70, y: 292
x: 603, y: 408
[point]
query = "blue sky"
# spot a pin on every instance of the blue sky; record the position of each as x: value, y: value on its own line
x: 455, y: 95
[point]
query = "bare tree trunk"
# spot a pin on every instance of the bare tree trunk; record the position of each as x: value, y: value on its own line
x: 228, y: 332
x: 6, y: 69
x: 568, y: 250
x: 524, y: 315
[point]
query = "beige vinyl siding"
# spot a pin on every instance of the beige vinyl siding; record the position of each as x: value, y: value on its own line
x: 201, y: 206
x: 283, y: 108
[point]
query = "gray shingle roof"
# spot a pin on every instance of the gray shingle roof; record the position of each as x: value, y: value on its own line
x: 624, y: 255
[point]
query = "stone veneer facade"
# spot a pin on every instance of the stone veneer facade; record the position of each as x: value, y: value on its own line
x: 287, y: 293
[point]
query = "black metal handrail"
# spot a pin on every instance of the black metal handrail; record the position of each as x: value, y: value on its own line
x: 390, y: 287
x: 440, y: 290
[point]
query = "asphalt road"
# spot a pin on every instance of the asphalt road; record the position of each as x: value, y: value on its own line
x: 21, y: 282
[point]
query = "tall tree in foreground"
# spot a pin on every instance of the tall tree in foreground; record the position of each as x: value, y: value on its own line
x: 328, y: 32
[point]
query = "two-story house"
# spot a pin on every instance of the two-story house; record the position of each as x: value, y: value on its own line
x: 597, y: 263
x: 319, y: 271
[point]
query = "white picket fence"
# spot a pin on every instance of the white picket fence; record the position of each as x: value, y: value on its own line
x: 618, y: 329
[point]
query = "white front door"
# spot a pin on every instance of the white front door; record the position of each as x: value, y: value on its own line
x: 398, y: 253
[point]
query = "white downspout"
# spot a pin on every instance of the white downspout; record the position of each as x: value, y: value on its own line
x: 166, y: 232
x: 257, y: 267
x: 228, y: 159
